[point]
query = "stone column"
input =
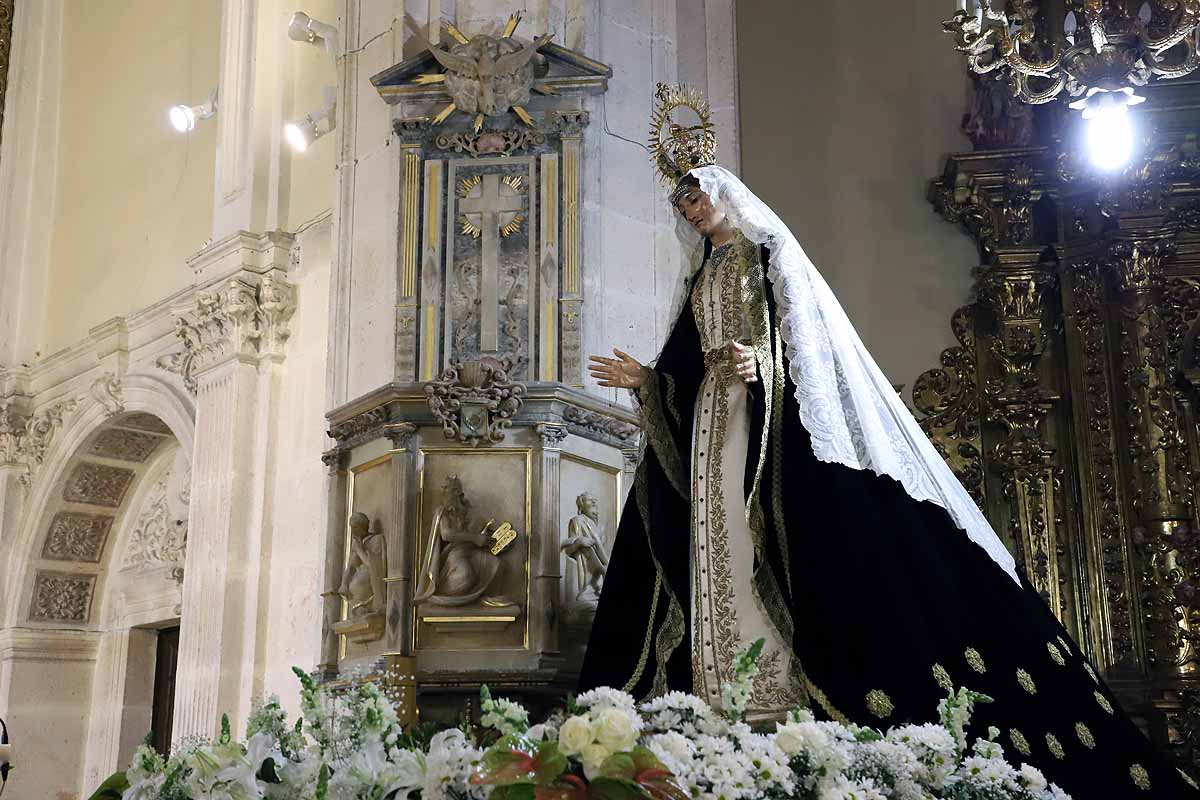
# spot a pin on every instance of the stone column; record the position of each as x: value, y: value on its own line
x: 401, y: 535
x: 546, y: 539
x: 335, y: 560
x: 233, y: 341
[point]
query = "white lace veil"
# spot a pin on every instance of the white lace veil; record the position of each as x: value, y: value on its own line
x: 853, y: 415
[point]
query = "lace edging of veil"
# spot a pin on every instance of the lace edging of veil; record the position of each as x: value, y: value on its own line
x: 853, y: 415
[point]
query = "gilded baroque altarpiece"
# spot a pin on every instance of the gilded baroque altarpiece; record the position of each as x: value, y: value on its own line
x: 1069, y: 408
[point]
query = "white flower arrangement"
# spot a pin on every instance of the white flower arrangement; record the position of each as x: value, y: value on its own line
x: 605, y: 747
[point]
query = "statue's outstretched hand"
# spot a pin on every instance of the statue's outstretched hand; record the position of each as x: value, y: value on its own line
x: 622, y: 372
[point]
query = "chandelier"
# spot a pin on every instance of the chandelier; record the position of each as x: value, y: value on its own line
x: 1083, y: 46
x: 1098, y: 51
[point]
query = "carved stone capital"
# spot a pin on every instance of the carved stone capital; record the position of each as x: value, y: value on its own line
x: 571, y: 123
x: 400, y: 433
x: 243, y: 319
x: 552, y: 436
x: 359, y: 428
x: 412, y: 131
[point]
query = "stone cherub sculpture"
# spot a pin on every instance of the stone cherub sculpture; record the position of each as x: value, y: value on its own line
x: 489, y: 75
x: 585, y: 544
x: 362, y: 581
x: 458, y: 565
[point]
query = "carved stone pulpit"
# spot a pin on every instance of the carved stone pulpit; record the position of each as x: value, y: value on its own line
x: 471, y: 461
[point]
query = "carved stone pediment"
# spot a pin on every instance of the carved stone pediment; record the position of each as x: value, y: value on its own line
x: 475, y: 401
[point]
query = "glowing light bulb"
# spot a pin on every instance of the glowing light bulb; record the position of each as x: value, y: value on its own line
x: 299, y: 134
x: 1110, y: 136
x: 183, y: 119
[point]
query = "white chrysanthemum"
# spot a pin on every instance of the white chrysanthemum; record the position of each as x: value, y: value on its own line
x: 844, y: 788
x: 991, y: 773
x: 605, y: 697
x: 933, y: 747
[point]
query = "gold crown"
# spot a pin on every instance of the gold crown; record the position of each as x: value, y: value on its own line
x: 679, y: 145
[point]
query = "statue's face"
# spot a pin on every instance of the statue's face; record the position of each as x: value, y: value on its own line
x: 587, y: 505
x: 700, y: 211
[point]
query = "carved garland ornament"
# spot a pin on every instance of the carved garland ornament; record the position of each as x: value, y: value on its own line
x: 474, y: 400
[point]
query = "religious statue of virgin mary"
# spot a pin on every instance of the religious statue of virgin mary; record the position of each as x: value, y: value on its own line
x: 786, y: 493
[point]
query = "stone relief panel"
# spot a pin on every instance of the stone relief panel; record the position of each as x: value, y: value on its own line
x: 362, y: 585
x: 77, y: 537
x: 98, y: 485
x: 472, y: 587
x: 124, y: 445
x: 61, y: 597
x: 159, y: 535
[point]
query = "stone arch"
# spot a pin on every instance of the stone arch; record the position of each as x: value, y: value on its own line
x: 95, y: 567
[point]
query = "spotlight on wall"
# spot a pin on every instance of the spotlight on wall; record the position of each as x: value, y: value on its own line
x: 183, y: 118
x: 304, y: 28
x: 300, y: 134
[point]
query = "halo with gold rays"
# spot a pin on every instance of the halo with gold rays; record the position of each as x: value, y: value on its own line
x: 468, y: 184
x: 682, y: 148
x: 430, y: 78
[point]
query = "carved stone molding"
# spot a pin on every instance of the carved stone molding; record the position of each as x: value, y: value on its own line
x: 484, y: 143
x: 474, y: 400
x: 77, y: 537
x: 399, y: 433
x: 107, y: 391
x: 243, y: 319
x: 25, y: 438
x: 61, y: 597
x: 585, y: 421
x: 359, y: 428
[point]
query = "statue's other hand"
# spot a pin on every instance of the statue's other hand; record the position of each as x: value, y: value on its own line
x: 744, y: 363
x: 622, y: 372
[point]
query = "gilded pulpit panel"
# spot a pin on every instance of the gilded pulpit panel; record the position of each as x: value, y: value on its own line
x: 472, y: 587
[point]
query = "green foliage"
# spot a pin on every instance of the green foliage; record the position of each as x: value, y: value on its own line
x: 111, y: 789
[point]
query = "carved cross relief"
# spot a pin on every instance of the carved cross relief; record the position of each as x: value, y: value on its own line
x: 489, y: 213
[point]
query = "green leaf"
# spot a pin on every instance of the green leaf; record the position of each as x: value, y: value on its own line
x: 517, y: 791
x: 619, y: 766
x: 613, y: 789
x: 305, y: 679
x: 225, y: 735
x: 517, y: 759
x: 112, y: 788
x: 485, y: 695
x: 268, y: 772
x: 323, y: 783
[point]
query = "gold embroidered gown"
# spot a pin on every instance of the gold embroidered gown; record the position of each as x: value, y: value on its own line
x: 726, y: 613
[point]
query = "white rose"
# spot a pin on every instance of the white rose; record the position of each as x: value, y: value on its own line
x: 593, y: 756
x: 789, y: 737
x: 574, y: 735
x: 616, y: 729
